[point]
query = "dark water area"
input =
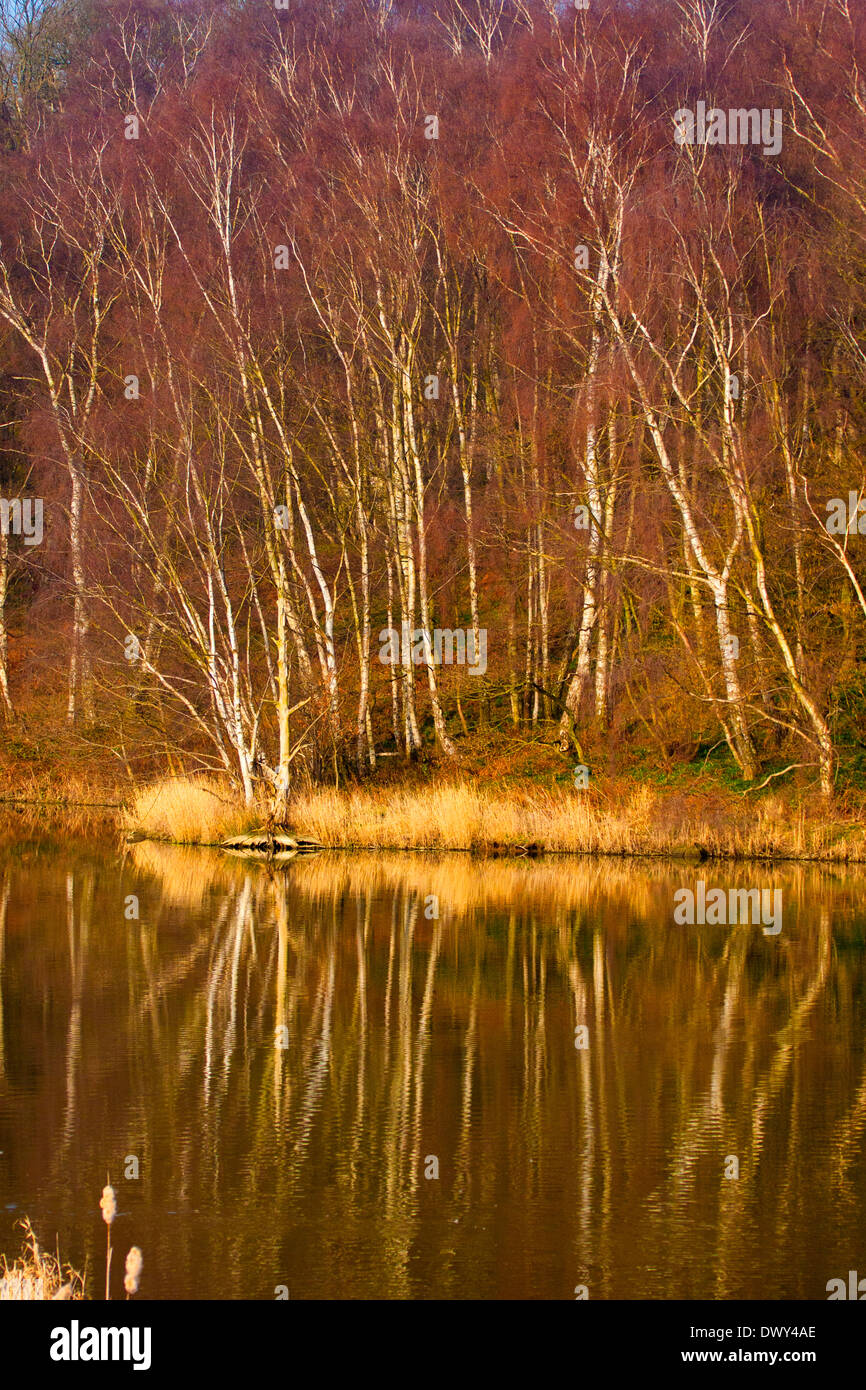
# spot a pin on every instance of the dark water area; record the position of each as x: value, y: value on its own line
x: 327, y: 1086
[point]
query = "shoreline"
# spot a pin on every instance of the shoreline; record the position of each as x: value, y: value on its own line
x: 619, y: 818
x: 516, y: 852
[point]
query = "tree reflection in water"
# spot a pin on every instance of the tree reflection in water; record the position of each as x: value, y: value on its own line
x: 410, y: 1036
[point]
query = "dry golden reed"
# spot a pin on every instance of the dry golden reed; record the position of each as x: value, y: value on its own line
x: 634, y: 820
x: 37, y: 1277
x: 192, y: 811
x: 619, y: 819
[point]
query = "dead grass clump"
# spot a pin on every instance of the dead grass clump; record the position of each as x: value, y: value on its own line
x: 37, y: 1277
x: 191, y: 811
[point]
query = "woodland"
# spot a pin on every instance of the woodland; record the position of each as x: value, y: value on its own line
x: 325, y: 320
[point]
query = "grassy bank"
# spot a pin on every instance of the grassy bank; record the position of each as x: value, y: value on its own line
x: 615, y: 817
x: 509, y: 794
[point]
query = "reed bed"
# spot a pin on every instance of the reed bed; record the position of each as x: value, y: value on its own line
x: 621, y: 821
x: 59, y: 786
x: 191, y: 811
x: 614, y: 819
x: 36, y: 1276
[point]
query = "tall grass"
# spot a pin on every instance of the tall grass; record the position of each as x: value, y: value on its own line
x: 35, y: 1276
x: 619, y: 818
x: 200, y: 811
x: 625, y: 820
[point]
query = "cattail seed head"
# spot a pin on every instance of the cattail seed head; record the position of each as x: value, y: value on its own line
x: 134, y: 1262
x: 108, y: 1203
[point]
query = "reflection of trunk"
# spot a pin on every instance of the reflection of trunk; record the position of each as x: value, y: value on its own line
x: 422, y: 1047
x: 78, y: 950
x: 280, y: 1019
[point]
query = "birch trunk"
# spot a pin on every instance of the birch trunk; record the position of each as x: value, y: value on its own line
x: 4, y: 644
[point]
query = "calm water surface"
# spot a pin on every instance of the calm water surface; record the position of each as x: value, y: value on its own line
x: 414, y: 1040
